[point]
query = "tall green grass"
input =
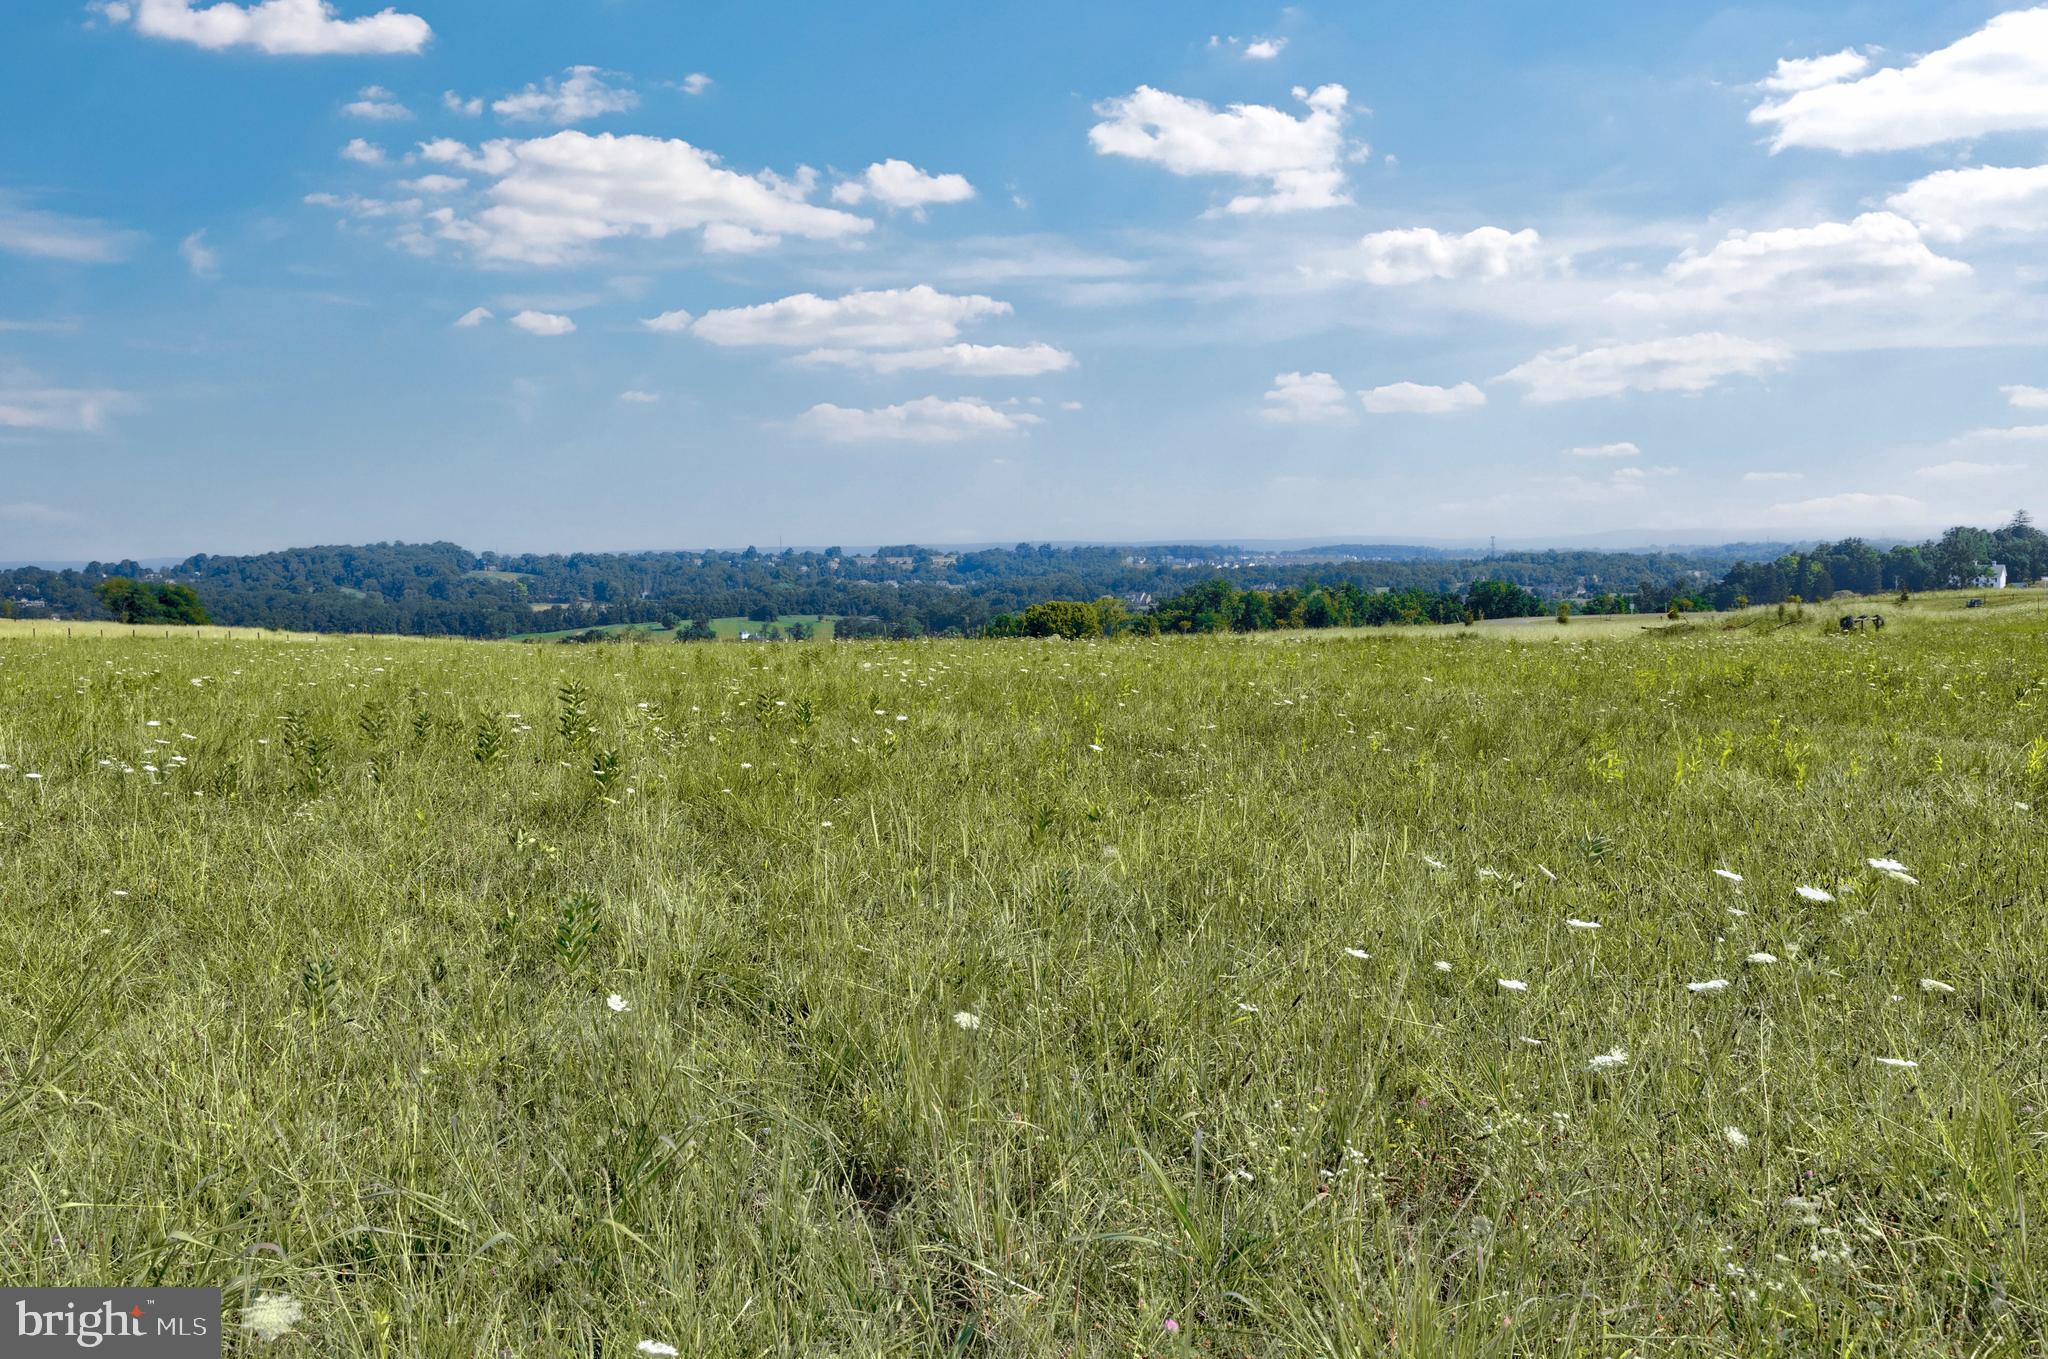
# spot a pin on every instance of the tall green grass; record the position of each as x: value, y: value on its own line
x: 994, y: 998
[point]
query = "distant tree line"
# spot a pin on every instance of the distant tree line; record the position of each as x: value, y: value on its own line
x: 443, y: 589
x: 1955, y: 559
x: 1218, y: 606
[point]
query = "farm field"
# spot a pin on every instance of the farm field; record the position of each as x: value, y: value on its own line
x: 1470, y: 991
x: 726, y: 628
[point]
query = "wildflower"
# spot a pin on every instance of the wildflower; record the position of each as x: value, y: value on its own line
x: 1815, y: 894
x: 1546, y: 872
x: 1532, y: 1042
x: 656, y: 1347
x: 31, y: 776
x: 1735, y: 1137
x: 1170, y: 1326
x: 1441, y: 966
x: 272, y: 1315
x: 1888, y: 865
x: 1247, y: 1007
x: 1583, y: 924
x: 1724, y: 873
x: 967, y: 1020
x: 1906, y: 878
x: 1707, y: 988
x: 1737, y: 914
x: 120, y: 892
x: 618, y: 1003
x: 1433, y: 863
x: 1761, y: 958
x: 1900, y: 1062
x: 1510, y: 984
x: 1358, y: 953
x: 1607, y: 1061
x: 1933, y: 987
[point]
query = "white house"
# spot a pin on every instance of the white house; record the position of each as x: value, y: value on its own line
x: 1992, y: 579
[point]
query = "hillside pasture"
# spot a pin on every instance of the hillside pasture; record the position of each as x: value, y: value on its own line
x: 1444, y: 991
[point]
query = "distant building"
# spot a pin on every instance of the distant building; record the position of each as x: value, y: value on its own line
x: 1992, y: 579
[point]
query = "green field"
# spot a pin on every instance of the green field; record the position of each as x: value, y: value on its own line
x: 1039, y: 998
x: 727, y: 628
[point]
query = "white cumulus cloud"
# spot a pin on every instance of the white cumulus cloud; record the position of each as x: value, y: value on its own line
x: 899, y: 184
x: 2027, y: 398
x: 1806, y: 73
x: 1413, y: 254
x: 891, y: 318
x: 26, y: 403
x: 696, y: 82
x: 636, y: 397
x: 555, y: 198
x: 669, y: 322
x: 362, y: 152
x: 1623, y: 449
x: 1952, y: 204
x: 581, y: 93
x: 377, y: 104
x: 278, y: 27
x: 1994, y: 80
x: 1264, y: 49
x: 475, y: 316
x: 927, y: 420
x: 1305, y: 399
x: 1679, y: 363
x: 544, y: 323
x: 1297, y: 161
x: 1878, y: 255
x: 467, y: 108
x: 1418, y: 398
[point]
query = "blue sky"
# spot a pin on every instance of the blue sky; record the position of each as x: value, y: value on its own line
x: 583, y: 274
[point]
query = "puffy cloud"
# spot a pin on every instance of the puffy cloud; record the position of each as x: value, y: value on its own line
x: 1624, y: 449
x: 434, y: 184
x: 1305, y: 399
x: 377, y: 104
x: 1413, y: 254
x: 1952, y: 204
x: 1623, y: 483
x: 1681, y: 363
x: 544, y: 323
x: 1807, y: 73
x: 637, y: 397
x: 467, y: 108
x: 475, y: 316
x: 362, y: 152
x: 1298, y: 160
x: 727, y: 238
x: 893, y: 318
x: 581, y: 94
x: 1878, y: 255
x: 899, y: 184
x: 928, y: 420
x: 1264, y: 49
x: 669, y: 322
x: 1994, y: 80
x: 1964, y: 471
x: 58, y: 236
x: 696, y: 82
x: 2027, y: 398
x: 557, y: 197
x: 968, y: 360
x: 1417, y: 398
x: 198, y: 256
x: 278, y: 27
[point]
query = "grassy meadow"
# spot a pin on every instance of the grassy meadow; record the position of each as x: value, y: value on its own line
x: 1021, y: 998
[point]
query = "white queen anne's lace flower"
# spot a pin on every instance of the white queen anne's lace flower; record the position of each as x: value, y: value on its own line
x: 1815, y: 894
x: 1608, y: 1060
x: 272, y: 1315
x: 967, y: 1020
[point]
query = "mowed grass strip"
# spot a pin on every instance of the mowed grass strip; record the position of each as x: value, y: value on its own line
x: 1035, y: 998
